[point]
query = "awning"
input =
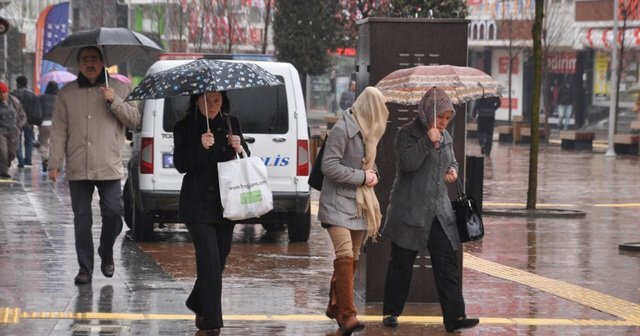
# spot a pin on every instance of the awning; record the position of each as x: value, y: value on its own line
x: 602, y: 38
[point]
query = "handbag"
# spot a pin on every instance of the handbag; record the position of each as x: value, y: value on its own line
x: 468, y: 218
x: 316, y: 176
x: 244, y: 188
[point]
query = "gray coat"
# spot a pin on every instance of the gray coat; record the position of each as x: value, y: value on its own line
x: 419, y: 192
x: 342, y: 169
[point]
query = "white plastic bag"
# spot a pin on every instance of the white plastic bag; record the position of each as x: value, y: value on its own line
x: 244, y: 188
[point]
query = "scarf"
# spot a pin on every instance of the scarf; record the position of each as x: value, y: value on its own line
x: 371, y: 113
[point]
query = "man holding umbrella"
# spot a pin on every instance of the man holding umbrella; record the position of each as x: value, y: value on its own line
x: 88, y: 132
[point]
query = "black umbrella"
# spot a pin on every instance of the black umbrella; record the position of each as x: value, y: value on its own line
x: 201, y: 76
x: 117, y: 45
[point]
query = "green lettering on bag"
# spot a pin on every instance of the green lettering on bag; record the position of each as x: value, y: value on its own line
x: 251, y: 197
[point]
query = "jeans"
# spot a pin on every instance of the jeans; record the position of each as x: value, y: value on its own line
x: 27, y: 133
x: 564, y: 116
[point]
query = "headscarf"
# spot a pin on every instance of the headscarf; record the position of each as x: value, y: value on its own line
x: 371, y: 113
x: 442, y: 103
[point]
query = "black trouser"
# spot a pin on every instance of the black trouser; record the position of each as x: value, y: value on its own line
x: 485, y: 133
x: 212, y: 243
x: 111, y: 210
x: 444, y: 262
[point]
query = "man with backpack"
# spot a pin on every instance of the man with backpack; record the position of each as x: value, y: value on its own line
x: 29, y: 102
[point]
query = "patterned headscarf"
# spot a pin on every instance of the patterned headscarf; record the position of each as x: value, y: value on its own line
x: 435, y: 96
x: 371, y: 113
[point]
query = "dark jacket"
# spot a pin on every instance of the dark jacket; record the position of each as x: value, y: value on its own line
x: 200, y: 192
x: 419, y: 192
x: 565, y: 97
x: 29, y: 102
x: 46, y: 102
x: 486, y: 107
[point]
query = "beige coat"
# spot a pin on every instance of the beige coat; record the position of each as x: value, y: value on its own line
x: 89, y: 135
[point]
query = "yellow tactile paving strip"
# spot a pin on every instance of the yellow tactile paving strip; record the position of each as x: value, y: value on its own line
x: 627, y: 312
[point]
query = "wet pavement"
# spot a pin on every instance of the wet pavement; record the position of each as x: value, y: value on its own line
x: 528, y: 276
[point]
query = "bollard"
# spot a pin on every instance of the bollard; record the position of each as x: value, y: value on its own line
x: 474, y: 178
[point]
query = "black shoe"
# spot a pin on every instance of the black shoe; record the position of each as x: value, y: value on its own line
x: 461, y: 324
x: 45, y: 166
x: 106, y: 266
x: 20, y: 166
x: 82, y: 278
x: 5, y: 176
x: 390, y: 321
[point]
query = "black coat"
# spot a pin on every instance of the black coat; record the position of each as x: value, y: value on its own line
x: 200, y: 192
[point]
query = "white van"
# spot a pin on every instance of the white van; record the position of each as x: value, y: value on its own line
x: 274, y: 124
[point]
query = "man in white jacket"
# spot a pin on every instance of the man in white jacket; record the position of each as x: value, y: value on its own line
x: 88, y: 132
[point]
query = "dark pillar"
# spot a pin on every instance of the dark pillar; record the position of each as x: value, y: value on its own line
x: 475, y: 178
x: 385, y: 45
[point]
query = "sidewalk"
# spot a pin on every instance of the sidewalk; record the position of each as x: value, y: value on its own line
x: 528, y: 276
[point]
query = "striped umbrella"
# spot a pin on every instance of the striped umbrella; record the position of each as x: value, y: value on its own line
x: 462, y: 84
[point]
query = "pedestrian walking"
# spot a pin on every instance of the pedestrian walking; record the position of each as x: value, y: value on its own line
x: 88, y: 138
x: 198, y: 147
x: 420, y: 216
x: 348, y: 96
x: 484, y: 111
x: 349, y: 209
x: 12, y: 119
x: 46, y: 102
x: 29, y: 101
x: 565, y: 106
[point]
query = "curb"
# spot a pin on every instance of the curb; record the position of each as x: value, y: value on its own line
x: 633, y: 247
x: 535, y: 213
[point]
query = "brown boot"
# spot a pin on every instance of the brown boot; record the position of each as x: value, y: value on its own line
x: 332, y: 307
x: 343, y: 269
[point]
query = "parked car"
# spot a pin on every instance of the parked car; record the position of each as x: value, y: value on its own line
x: 274, y: 124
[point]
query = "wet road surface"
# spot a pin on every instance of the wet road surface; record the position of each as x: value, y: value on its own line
x: 529, y: 276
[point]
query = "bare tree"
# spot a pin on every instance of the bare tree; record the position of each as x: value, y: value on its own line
x: 536, y: 35
x: 556, y: 36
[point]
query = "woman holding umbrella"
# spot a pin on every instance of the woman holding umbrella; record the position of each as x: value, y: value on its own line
x: 420, y: 215
x: 207, y: 135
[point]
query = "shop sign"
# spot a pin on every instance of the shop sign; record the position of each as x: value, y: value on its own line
x: 561, y: 63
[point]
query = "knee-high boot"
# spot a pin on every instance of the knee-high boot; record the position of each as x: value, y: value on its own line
x: 332, y: 307
x: 343, y: 269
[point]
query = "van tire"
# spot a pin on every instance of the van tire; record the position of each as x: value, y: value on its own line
x: 142, y: 226
x: 299, y: 226
x: 128, y: 201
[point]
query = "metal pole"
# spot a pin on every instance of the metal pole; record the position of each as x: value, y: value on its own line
x: 6, y: 55
x: 613, y: 94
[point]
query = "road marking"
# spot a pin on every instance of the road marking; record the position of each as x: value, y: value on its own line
x: 15, y: 315
x: 628, y: 311
x: 559, y: 205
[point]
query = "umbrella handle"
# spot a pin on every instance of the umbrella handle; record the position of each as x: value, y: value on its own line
x: 436, y: 144
x: 106, y: 76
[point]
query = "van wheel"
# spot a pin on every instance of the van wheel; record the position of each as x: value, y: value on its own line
x: 299, y: 226
x: 128, y: 201
x: 142, y: 226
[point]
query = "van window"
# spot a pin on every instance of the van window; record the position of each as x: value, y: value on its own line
x: 259, y: 110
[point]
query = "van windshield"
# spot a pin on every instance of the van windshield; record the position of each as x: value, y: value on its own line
x: 260, y: 110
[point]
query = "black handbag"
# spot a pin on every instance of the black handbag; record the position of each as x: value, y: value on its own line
x: 468, y: 218
x: 316, y: 177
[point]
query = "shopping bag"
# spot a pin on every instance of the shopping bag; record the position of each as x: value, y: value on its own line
x: 244, y: 188
x: 468, y: 218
